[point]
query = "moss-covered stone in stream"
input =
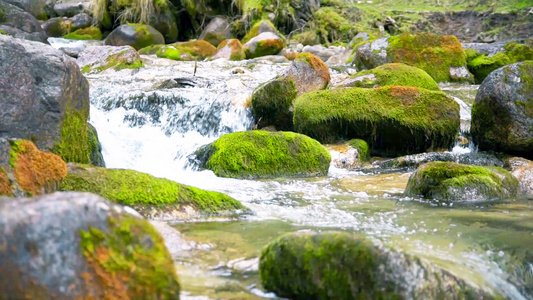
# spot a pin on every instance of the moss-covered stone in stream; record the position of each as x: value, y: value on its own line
x: 35, y: 172
x: 2, y: 32
x: 518, y: 52
x: 193, y: 50
x: 397, y: 74
x: 432, y: 53
x: 339, y: 265
x: 361, y: 147
x: 272, y: 103
x: 89, y: 33
x: 74, y: 137
x: 143, y: 191
x: 448, y: 181
x: 394, y: 120
x: 119, y: 62
x: 237, y: 52
x: 152, y: 49
x: 129, y: 259
x: 482, y: 65
x: 260, y: 27
x: 262, y: 154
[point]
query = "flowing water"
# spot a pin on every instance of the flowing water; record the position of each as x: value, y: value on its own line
x: 148, y: 122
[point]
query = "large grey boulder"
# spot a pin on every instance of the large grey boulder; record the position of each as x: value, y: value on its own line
x: 136, y: 35
x: 38, y: 8
x: 70, y: 8
x: 59, y: 247
x: 372, y: 54
x: 18, y: 23
x: 45, y: 98
x: 216, y: 31
x: 502, y: 115
x: 98, y: 58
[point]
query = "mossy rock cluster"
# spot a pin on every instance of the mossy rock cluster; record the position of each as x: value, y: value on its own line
x: 394, y: 120
x: 145, y: 192
x: 230, y: 49
x: 482, y: 65
x: 448, y: 181
x: 193, y: 50
x: 432, y: 53
x: 339, y: 265
x: 89, y: 33
x: 262, y: 154
x: 136, y: 35
x: 30, y: 172
x: 394, y: 74
x: 80, y: 246
x: 96, y: 59
x: 259, y: 27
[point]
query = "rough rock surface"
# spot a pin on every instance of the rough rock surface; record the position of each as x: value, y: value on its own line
x: 59, y: 245
x: 20, y: 24
x: 231, y: 50
x: 266, y: 43
x: 372, y: 54
x: 216, y: 31
x: 99, y: 58
x: 135, y: 35
x: 522, y: 169
x: 309, y: 73
x: 502, y: 115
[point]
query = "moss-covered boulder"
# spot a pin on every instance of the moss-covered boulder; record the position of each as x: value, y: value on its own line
x: 394, y: 120
x: 217, y: 31
x: 230, y: 50
x: 273, y: 102
x: 502, y: 115
x: 394, y: 74
x: 361, y: 147
x: 136, y: 35
x: 193, y: 50
x: 89, y: 33
x: 519, y: 52
x: 26, y: 171
x: 259, y: 27
x: 97, y: 159
x: 152, y: 197
x: 81, y: 246
x: 95, y: 59
x: 448, y: 181
x: 442, y: 57
x: 266, y: 43
x: 45, y: 98
x: 57, y: 27
x: 482, y: 65
x: 339, y: 265
x: 262, y: 154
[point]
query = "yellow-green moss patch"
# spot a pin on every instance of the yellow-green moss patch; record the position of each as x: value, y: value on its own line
x: 397, y: 74
x: 89, y: 33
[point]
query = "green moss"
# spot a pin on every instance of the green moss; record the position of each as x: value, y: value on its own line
x: 169, y: 52
x: 518, y: 52
x: 73, y: 146
x: 333, y: 265
x: 272, y: 103
x: 362, y: 148
x: 130, y: 260
x: 261, y: 154
x: 237, y: 52
x: 196, y: 50
x: 3, y: 32
x: 86, y: 69
x: 331, y: 26
x: 483, y: 65
x: 394, y: 120
x: 89, y: 33
x: 141, y: 190
x: 526, y: 74
x: 152, y: 49
x: 120, y: 61
x: 450, y: 181
x: 431, y: 53
x: 265, y: 47
x: 260, y: 27
x: 398, y: 74
x: 214, y: 38
x: 471, y: 54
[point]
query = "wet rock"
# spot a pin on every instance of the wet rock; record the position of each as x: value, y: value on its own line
x: 450, y: 182
x: 217, y: 31
x: 70, y: 8
x: 350, y: 155
x: 46, y: 98
x: 322, y: 52
x: 38, y: 8
x: 339, y: 265
x: 489, y: 49
x: 273, y: 102
x: 230, y: 50
x: 97, y: 159
x: 266, y: 43
x: 394, y: 120
x: 136, y: 35
x: 522, y: 169
x: 260, y: 27
x: 187, y: 51
x: 99, y: 58
x: 56, y: 27
x: 59, y: 245
x: 502, y: 115
x: 262, y: 154
x: 372, y: 54
x: 20, y: 24
x: 154, y: 198
x: 26, y: 171
x: 164, y: 21
x: 80, y: 21
x: 393, y: 74
x: 415, y: 160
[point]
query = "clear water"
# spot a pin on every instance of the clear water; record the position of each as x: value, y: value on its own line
x: 154, y: 130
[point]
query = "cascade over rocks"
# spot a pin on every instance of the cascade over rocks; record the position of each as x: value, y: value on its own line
x: 136, y: 35
x: 339, y: 265
x: 502, y: 115
x: 447, y: 181
x: 46, y: 98
x: 59, y: 245
x: 20, y: 24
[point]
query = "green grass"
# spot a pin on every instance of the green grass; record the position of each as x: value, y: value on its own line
x: 138, y: 189
x: 262, y: 154
x: 398, y: 74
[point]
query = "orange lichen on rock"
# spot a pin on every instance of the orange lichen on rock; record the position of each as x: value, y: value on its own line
x: 36, y: 172
x: 316, y: 63
x: 5, y: 186
x: 405, y: 94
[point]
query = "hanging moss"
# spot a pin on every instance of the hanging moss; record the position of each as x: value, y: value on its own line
x: 130, y: 260
x: 89, y: 33
x: 262, y: 154
x: 397, y: 74
x: 141, y: 190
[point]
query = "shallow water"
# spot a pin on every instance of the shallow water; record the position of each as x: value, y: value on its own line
x: 154, y: 130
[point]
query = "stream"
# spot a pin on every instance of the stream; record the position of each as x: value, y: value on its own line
x: 147, y: 122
